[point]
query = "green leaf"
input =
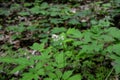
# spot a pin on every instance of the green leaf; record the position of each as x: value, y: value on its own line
x: 77, y: 43
x: 24, y: 61
x: 117, y: 66
x: 87, y: 36
x: 76, y: 77
x: 35, y: 10
x: 114, y: 32
x: 74, y: 22
x: 116, y: 49
x: 66, y: 75
x: 7, y: 59
x: 60, y: 60
x: 18, y: 68
x: 37, y: 46
x: 56, y: 20
x: 48, y: 79
x: 44, y: 5
x: 29, y: 76
x: 58, y: 30
x: 75, y: 33
x: 23, y: 13
x: 39, y: 65
x: 41, y: 72
x: 83, y: 13
x: 58, y: 73
x: 52, y: 75
x: 107, y: 38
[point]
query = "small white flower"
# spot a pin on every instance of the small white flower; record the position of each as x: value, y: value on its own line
x: 54, y: 36
x: 73, y: 10
x: 57, y: 37
x: 83, y: 20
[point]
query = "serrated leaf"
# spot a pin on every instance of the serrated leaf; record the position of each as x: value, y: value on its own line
x: 74, y: 22
x: 29, y: 76
x: 52, y: 75
x: 66, y: 75
x: 116, y: 49
x: 37, y: 46
x: 35, y: 10
x: 87, y: 37
x: 44, y: 5
x: 60, y: 60
x: 114, y: 32
x: 48, y: 79
x: 41, y: 72
x: 18, y: 68
x: 58, y: 73
x: 23, y: 13
x: 58, y: 30
x: 107, y: 38
x: 39, y: 65
x: 24, y: 61
x: 74, y: 33
x: 7, y: 59
x: 76, y: 77
x: 117, y: 66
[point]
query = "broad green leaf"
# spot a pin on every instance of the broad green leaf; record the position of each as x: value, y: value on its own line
x: 58, y: 30
x: 35, y: 10
x: 116, y: 49
x: 37, y: 46
x: 24, y: 61
x: 56, y: 20
x: 18, y: 68
x: 66, y: 75
x: 109, y: 49
x: 83, y: 13
x: 104, y: 23
x: 114, y: 57
x: 90, y: 48
x: 7, y: 59
x: 52, y: 75
x: 29, y: 76
x: 49, y: 67
x: 76, y: 77
x: 44, y: 5
x: 39, y: 65
x: 74, y: 22
x: 107, y: 38
x: 58, y: 73
x: 60, y: 60
x: 117, y: 66
x: 41, y: 72
x: 77, y: 43
x: 48, y: 79
x: 75, y: 33
x: 87, y: 37
x: 114, y: 32
x: 23, y: 13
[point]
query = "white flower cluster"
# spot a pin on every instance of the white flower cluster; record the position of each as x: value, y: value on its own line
x: 57, y: 37
x: 73, y: 10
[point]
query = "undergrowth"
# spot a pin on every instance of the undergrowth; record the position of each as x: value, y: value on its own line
x: 59, y: 40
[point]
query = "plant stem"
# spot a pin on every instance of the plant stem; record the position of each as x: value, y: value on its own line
x: 109, y: 74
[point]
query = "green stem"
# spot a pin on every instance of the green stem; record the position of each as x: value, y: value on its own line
x: 109, y: 74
